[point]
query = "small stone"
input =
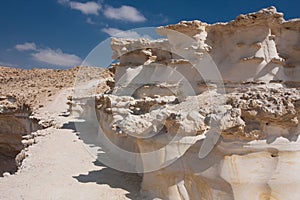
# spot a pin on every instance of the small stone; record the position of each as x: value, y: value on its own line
x: 6, y: 174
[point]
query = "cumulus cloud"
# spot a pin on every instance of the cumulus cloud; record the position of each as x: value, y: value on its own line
x: 88, y: 8
x: 125, y: 13
x: 56, y: 57
x: 26, y: 46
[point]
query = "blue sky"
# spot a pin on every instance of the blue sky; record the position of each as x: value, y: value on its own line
x: 51, y: 33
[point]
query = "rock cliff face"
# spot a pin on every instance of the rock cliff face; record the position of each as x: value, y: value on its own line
x: 15, y: 126
x: 210, y: 112
x: 22, y: 92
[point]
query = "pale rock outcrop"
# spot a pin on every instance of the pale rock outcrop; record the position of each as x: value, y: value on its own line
x: 22, y: 93
x: 16, y: 126
x: 212, y: 111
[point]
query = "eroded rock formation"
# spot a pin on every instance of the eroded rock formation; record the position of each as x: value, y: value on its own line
x: 212, y: 111
x: 22, y: 92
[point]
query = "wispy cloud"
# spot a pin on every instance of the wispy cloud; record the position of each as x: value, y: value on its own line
x: 119, y: 33
x: 50, y: 56
x: 56, y: 57
x: 26, y: 46
x: 90, y: 21
x: 115, y: 32
x: 124, y: 13
x: 87, y: 8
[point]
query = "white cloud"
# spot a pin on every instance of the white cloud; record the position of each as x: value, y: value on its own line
x: 56, y: 57
x: 50, y: 56
x: 115, y: 32
x: 88, y: 8
x: 26, y: 46
x: 125, y: 13
x: 121, y: 34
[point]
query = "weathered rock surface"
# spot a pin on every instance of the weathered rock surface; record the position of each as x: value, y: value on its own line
x: 216, y: 106
x: 22, y: 92
x: 58, y: 166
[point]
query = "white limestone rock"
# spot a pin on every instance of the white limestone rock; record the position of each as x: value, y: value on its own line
x: 162, y: 103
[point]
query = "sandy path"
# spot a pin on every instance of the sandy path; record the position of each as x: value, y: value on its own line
x: 59, y: 167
